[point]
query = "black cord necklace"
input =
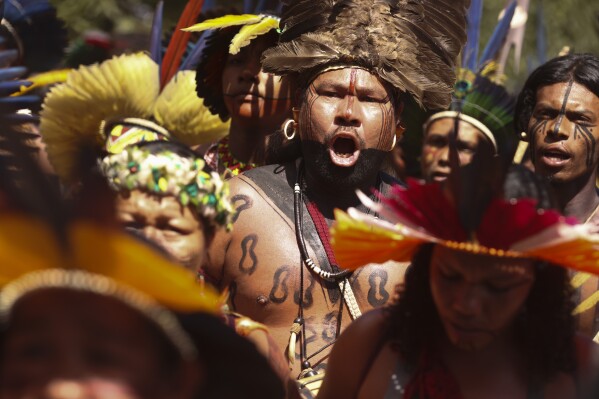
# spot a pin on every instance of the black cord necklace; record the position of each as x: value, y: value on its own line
x: 336, y: 277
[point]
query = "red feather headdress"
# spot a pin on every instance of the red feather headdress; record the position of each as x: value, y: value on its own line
x: 422, y: 213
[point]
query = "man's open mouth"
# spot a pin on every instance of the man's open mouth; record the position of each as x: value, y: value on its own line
x: 344, y: 149
x: 555, y: 157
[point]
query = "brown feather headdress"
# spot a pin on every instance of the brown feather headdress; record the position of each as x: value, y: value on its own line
x: 411, y: 44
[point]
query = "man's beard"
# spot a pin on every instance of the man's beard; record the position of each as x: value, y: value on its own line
x: 335, y: 178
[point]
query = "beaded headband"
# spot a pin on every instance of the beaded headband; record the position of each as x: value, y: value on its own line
x: 79, y: 280
x: 167, y: 173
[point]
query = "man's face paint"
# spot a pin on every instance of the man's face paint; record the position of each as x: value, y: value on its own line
x: 563, y: 132
x: 347, y: 110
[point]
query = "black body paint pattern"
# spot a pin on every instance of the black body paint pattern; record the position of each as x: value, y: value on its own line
x: 539, y: 126
x: 329, y: 327
x: 377, y: 294
x: 245, y: 203
x: 308, y: 291
x: 249, y: 261
x: 280, y: 286
x: 562, y: 111
x: 587, y: 135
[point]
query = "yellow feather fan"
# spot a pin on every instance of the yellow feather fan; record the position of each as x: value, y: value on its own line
x: 123, y: 87
x: 252, y: 27
x: 179, y: 110
x: 28, y: 245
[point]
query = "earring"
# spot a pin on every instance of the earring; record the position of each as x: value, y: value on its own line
x: 394, y: 142
x: 288, y: 136
x: 400, y: 130
x: 524, y: 136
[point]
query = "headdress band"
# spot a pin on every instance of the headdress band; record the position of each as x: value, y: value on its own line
x: 79, y: 280
x: 463, y: 117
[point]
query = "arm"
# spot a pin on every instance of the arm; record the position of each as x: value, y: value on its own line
x: 353, y: 355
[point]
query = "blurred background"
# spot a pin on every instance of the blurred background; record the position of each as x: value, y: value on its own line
x: 550, y: 25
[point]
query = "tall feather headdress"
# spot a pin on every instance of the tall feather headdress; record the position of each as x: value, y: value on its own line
x: 131, y: 98
x: 411, y: 44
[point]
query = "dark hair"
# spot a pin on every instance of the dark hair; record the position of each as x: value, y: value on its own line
x: 580, y: 68
x: 209, y: 72
x: 521, y: 182
x: 545, y: 330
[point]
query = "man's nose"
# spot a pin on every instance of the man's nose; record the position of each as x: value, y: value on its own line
x: 561, y: 129
x: 348, y: 113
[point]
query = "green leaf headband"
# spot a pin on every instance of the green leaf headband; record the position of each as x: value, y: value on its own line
x: 166, y: 173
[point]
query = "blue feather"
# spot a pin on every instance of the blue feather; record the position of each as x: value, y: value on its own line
x: 260, y: 6
x: 470, y: 52
x: 541, y: 35
x: 499, y: 34
x: 208, y: 5
x: 156, y: 35
x: 193, y: 58
x: 247, y: 6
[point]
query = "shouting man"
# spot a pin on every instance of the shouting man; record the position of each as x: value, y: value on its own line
x: 350, y: 63
x: 558, y: 113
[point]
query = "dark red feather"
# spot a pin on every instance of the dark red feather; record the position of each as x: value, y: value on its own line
x: 178, y: 44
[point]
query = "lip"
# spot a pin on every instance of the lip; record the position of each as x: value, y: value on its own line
x: 466, y: 330
x: 247, y: 97
x: 439, y: 176
x: 347, y: 159
x: 555, y: 156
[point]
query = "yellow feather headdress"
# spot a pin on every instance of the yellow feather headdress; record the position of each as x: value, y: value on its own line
x: 123, y: 87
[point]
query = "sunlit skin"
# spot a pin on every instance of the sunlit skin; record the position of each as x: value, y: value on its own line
x: 350, y: 104
x: 65, y: 344
x: 163, y: 220
x: 478, y: 297
x: 261, y: 259
x: 434, y: 161
x: 258, y: 102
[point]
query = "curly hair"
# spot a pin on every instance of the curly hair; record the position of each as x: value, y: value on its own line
x: 545, y: 329
x: 580, y: 68
x: 209, y: 72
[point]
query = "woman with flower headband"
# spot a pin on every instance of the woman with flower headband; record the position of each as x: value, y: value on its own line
x: 165, y: 195
x: 233, y: 86
x: 485, y: 310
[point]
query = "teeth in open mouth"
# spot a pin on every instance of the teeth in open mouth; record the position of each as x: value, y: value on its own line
x: 556, y: 155
x: 344, y: 147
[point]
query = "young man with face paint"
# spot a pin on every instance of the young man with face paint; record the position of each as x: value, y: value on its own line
x: 482, y: 110
x: 233, y: 85
x: 278, y: 262
x: 558, y: 114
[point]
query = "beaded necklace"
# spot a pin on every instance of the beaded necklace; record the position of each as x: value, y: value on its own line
x: 229, y: 161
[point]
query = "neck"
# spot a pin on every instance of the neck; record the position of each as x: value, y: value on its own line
x: 483, y: 365
x: 578, y: 198
x: 328, y: 199
x: 247, y: 141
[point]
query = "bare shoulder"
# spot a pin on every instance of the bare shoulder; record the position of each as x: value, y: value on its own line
x: 352, y: 354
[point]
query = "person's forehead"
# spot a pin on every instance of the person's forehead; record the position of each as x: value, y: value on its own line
x: 447, y: 125
x: 579, y: 97
x: 361, y: 77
